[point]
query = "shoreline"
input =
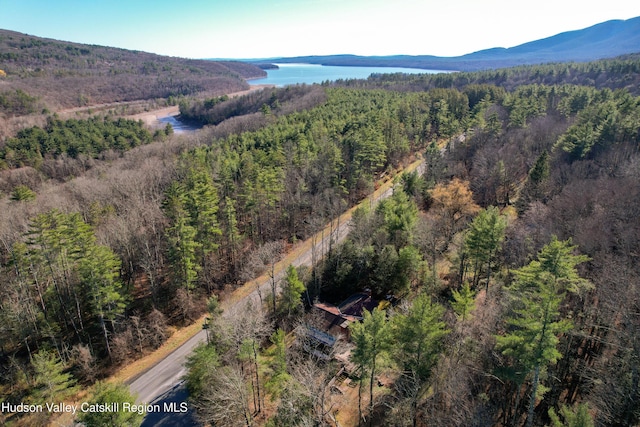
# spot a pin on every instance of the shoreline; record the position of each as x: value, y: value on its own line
x: 152, y: 118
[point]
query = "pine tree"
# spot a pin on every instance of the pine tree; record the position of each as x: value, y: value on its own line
x: 372, y: 340
x: 278, y: 366
x: 56, y: 241
x: 419, y: 334
x: 181, y: 235
x: 231, y: 232
x: 399, y: 215
x: 201, y: 366
x: 535, y: 324
x: 108, y: 393
x: 556, y: 258
x: 535, y: 327
x: 85, y: 275
x: 463, y: 302
x: 534, y: 187
x: 412, y: 184
x: 289, y: 300
x: 483, y: 241
x: 22, y: 193
x: 201, y: 203
x: 434, y: 165
x: 99, y: 270
x: 540, y: 170
x: 51, y: 383
x: 577, y: 417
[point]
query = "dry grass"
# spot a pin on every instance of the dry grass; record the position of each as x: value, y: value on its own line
x: 347, y: 406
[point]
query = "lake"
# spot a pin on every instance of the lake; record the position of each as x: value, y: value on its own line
x: 289, y: 74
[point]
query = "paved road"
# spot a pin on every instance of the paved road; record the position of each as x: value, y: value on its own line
x: 163, y: 384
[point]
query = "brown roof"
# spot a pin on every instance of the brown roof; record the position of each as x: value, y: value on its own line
x: 356, y: 304
x: 336, y: 319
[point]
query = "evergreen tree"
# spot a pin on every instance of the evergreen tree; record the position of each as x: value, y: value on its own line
x: 106, y: 394
x: 372, y: 340
x: 534, y: 187
x: 535, y: 324
x: 84, y: 275
x: 540, y: 170
x: 201, y: 366
x: 483, y: 241
x: 215, y: 311
x: 407, y: 269
x: 278, y: 366
x: 22, y: 193
x: 55, y: 240
x: 576, y: 417
x: 290, y: 298
x: 413, y: 184
x: 399, y: 215
x: 181, y: 235
x: 99, y: 270
x: 558, y: 259
x: 201, y: 203
x: 419, y: 334
x: 51, y: 383
x: 463, y: 302
x: 434, y: 165
x: 231, y: 232
x: 383, y: 277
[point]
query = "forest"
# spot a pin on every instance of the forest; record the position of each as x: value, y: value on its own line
x: 505, y: 269
x: 72, y: 138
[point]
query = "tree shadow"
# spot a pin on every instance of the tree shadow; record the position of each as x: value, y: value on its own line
x: 173, y: 410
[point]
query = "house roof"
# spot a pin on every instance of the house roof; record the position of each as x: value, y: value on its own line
x: 356, y: 304
x: 338, y: 318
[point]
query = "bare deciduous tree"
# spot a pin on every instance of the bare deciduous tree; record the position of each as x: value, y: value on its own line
x: 225, y: 401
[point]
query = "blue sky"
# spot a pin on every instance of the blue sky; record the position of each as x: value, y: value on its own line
x: 270, y: 28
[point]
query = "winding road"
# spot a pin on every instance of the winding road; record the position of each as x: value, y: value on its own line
x: 162, y: 384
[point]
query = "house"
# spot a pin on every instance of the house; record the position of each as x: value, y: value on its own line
x: 327, y: 324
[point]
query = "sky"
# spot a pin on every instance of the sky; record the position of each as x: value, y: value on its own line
x: 245, y: 29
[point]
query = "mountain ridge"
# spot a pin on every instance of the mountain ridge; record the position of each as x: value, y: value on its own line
x: 603, y: 40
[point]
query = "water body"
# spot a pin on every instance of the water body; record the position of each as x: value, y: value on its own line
x: 178, y: 125
x: 290, y: 74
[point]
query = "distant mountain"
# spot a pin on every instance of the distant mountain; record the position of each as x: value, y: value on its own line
x: 605, y: 40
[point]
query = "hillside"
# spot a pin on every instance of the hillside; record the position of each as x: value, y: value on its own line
x: 604, y: 40
x: 45, y: 74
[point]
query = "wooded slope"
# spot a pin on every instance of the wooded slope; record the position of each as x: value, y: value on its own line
x: 54, y: 74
